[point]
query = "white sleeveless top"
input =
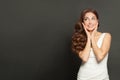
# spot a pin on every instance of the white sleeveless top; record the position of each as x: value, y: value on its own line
x: 93, y: 70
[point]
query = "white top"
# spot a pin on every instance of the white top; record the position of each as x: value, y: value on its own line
x: 93, y: 70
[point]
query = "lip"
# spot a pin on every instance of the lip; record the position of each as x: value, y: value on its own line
x: 90, y: 27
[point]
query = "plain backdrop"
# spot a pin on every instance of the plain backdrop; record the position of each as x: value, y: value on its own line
x: 35, y: 37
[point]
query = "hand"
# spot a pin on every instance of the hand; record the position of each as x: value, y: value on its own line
x: 93, y: 35
x: 88, y: 34
x: 94, y: 31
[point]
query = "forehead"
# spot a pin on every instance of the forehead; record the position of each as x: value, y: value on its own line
x: 90, y: 14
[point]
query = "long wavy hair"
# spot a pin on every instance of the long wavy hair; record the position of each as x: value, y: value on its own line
x: 79, y: 37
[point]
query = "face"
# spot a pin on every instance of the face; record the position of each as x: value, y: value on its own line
x: 90, y: 21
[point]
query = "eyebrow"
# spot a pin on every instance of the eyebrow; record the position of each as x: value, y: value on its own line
x: 92, y: 17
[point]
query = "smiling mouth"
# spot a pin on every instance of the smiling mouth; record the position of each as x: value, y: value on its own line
x: 90, y: 27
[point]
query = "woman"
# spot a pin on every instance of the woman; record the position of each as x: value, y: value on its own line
x: 91, y: 46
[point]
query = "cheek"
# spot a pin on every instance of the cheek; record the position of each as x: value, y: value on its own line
x: 86, y: 23
x: 96, y: 23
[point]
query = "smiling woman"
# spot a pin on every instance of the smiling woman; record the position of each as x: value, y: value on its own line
x: 90, y: 21
x: 91, y: 46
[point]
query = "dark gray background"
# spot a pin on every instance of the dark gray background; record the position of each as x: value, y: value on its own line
x: 35, y: 37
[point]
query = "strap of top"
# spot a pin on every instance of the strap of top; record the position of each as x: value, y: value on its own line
x: 102, y: 36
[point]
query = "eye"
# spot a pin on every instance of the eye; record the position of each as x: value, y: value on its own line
x: 93, y: 18
x: 85, y: 19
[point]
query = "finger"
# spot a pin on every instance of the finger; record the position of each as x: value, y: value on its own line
x: 96, y: 26
x: 95, y: 29
x: 86, y: 30
x: 84, y: 27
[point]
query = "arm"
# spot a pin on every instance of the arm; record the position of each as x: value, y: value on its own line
x: 100, y: 53
x: 84, y: 55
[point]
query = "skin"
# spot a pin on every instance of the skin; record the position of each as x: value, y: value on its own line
x: 90, y: 24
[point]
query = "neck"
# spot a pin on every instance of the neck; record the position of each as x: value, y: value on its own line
x: 94, y: 32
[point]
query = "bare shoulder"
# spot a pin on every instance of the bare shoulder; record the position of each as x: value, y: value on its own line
x: 108, y: 36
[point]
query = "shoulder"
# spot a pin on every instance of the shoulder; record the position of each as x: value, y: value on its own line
x: 108, y: 36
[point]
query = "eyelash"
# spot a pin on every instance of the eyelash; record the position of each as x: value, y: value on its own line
x: 87, y: 19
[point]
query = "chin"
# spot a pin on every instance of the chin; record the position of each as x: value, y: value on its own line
x: 90, y: 29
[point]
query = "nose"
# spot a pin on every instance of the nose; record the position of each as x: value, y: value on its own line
x: 90, y: 21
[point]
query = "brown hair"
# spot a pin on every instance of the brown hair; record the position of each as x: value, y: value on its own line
x: 79, y: 38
